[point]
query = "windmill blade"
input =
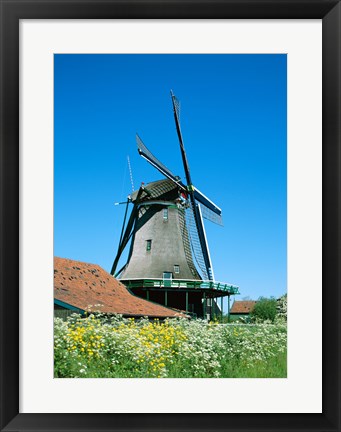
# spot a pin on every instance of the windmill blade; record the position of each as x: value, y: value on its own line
x: 195, y: 243
x: 209, y: 206
x: 125, y: 237
x: 210, y: 211
x: 176, y: 109
x: 202, y: 236
x: 194, y: 196
x: 204, y: 245
x: 146, y: 154
x: 128, y: 231
x: 198, y: 241
x: 211, y: 216
x: 199, y: 196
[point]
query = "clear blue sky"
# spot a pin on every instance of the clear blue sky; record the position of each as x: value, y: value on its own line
x: 234, y: 124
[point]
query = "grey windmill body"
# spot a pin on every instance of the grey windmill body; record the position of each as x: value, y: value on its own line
x: 169, y: 260
x: 160, y: 221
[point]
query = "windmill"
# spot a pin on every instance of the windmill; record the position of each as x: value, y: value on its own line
x: 169, y: 259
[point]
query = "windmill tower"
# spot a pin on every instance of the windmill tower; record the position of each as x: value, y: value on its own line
x: 169, y: 260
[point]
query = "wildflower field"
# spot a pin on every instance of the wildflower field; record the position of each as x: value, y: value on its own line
x: 123, y: 348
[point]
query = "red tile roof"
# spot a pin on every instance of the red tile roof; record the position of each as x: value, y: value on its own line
x: 82, y: 285
x: 241, y: 306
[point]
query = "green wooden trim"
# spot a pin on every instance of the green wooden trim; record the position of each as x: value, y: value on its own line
x: 228, y: 308
x: 204, y: 305
x: 68, y: 306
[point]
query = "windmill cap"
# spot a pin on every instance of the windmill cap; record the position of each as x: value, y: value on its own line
x: 162, y: 190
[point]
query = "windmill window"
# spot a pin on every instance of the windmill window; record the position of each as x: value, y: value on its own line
x: 148, y: 245
x: 167, y: 279
x: 165, y: 214
x: 176, y: 269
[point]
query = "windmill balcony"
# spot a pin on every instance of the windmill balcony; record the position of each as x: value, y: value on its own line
x: 188, y: 284
x: 196, y: 297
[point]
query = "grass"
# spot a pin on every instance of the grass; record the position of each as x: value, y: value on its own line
x: 97, y: 347
x: 275, y: 367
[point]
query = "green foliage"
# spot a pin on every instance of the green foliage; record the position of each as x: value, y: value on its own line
x: 265, y: 310
x: 282, y: 309
x: 114, y: 347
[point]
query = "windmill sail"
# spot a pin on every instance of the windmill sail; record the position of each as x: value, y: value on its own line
x: 208, y: 214
x: 210, y: 211
x: 197, y: 216
x: 176, y: 108
x: 195, y: 243
x: 146, y: 154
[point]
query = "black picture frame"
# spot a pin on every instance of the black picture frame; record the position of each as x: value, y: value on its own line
x: 11, y: 12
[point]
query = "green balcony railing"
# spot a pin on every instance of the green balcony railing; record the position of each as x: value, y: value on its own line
x: 181, y: 284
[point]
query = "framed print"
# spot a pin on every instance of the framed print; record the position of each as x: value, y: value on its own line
x: 42, y: 46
